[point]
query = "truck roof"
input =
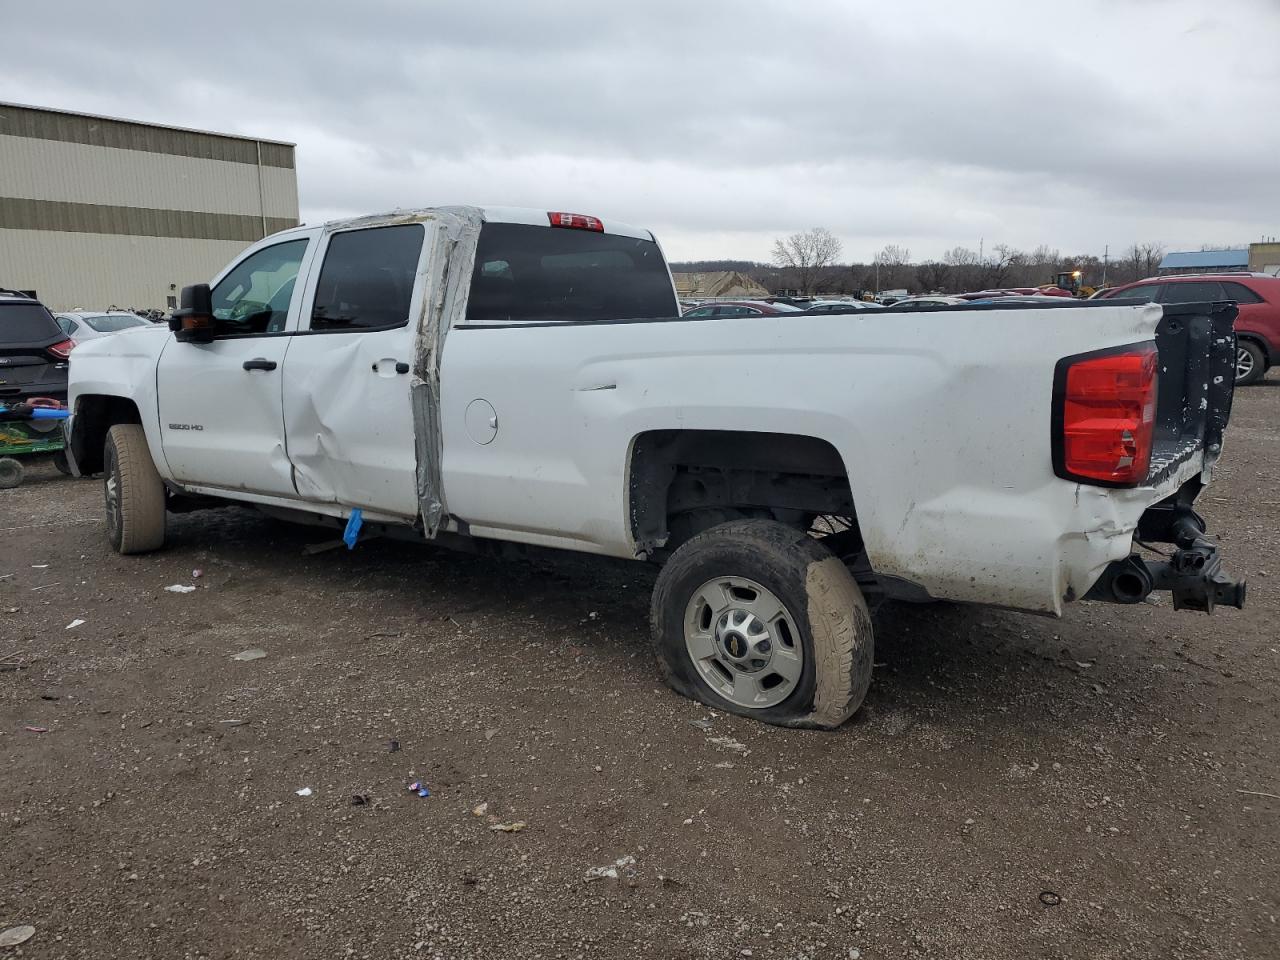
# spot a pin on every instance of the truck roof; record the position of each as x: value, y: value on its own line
x: 494, y: 214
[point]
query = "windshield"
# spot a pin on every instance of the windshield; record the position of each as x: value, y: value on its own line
x: 526, y: 272
x: 113, y: 322
x: 26, y: 323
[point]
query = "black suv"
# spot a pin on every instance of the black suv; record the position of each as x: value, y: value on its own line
x: 33, y: 350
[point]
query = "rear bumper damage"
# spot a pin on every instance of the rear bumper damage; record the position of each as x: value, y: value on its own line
x: 1192, y: 573
x: 1197, y: 354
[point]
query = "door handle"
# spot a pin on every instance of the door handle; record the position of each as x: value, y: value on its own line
x: 259, y: 363
x: 401, y: 366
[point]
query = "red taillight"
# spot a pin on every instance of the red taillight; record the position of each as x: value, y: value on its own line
x: 1104, y: 416
x: 575, y: 221
x: 61, y: 351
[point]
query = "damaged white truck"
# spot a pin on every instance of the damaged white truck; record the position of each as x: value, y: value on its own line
x: 485, y: 376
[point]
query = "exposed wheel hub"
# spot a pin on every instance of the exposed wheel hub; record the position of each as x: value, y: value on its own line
x: 744, y: 640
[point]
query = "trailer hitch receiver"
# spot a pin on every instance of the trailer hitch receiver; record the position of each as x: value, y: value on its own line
x: 1193, y: 573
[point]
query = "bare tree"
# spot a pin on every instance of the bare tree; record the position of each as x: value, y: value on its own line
x: 807, y: 254
x: 933, y: 275
x: 891, y: 266
x: 960, y: 257
x: 1142, y: 259
x: 965, y: 267
x: 893, y: 256
x: 1039, y: 266
x: 1001, y: 267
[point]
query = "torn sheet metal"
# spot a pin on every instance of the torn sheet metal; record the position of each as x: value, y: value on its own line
x: 458, y: 231
x: 373, y: 441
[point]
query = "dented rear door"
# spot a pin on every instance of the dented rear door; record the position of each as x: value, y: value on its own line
x: 347, y: 373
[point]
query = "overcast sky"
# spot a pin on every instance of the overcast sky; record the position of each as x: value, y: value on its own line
x: 720, y: 125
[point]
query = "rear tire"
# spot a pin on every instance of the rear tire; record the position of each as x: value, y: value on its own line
x: 134, y: 492
x: 1251, y: 364
x: 11, y: 473
x: 60, y: 463
x: 736, y: 574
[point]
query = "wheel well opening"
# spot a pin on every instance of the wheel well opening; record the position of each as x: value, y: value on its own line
x: 685, y: 481
x: 1260, y: 343
x: 95, y: 415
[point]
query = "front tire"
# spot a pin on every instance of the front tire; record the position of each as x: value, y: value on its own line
x: 758, y: 619
x: 1251, y: 365
x: 133, y: 491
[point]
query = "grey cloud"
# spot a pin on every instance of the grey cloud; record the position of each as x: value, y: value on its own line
x: 722, y: 122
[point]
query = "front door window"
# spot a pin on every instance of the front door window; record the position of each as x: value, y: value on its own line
x: 254, y: 297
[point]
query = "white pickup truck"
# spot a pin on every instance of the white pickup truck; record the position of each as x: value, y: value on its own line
x: 486, y: 376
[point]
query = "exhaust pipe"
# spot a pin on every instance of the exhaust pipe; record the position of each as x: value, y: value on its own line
x: 1132, y: 582
x: 1123, y: 581
x: 1194, y: 576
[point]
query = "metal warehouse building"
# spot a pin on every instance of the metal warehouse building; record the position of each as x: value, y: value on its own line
x: 96, y: 212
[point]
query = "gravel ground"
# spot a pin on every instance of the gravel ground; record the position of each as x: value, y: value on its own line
x: 1014, y: 786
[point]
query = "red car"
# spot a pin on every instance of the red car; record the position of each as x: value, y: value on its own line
x: 1256, y: 294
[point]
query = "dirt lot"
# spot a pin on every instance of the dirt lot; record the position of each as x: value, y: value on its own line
x: 1001, y: 761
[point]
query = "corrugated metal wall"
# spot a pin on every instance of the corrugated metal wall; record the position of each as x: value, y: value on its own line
x: 95, y: 271
x: 95, y: 212
x: 49, y: 170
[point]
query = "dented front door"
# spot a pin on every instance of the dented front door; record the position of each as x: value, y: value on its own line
x: 347, y: 411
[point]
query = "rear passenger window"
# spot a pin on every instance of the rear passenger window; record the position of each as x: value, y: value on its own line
x: 1145, y: 292
x: 1193, y: 291
x: 1240, y: 293
x: 527, y: 272
x: 367, y: 279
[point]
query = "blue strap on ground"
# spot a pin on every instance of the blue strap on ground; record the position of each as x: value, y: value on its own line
x: 352, y: 533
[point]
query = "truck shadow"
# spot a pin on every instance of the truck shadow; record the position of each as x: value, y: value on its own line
x: 972, y: 669
x: 969, y: 668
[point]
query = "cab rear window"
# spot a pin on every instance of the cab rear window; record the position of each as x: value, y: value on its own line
x: 534, y: 273
x: 26, y: 323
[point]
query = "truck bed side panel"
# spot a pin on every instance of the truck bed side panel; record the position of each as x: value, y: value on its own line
x: 942, y: 420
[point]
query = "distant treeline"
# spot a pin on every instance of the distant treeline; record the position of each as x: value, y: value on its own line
x: 959, y: 270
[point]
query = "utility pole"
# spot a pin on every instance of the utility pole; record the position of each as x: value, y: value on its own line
x: 877, y: 275
x: 1106, y: 250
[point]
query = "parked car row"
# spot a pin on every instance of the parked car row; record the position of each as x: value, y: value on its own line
x: 36, y: 344
x: 1257, y: 297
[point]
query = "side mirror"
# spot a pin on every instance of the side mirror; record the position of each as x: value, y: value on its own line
x: 193, y: 321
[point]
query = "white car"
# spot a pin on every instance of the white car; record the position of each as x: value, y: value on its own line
x: 841, y: 306
x: 497, y: 376
x: 928, y: 302
x: 82, y: 325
